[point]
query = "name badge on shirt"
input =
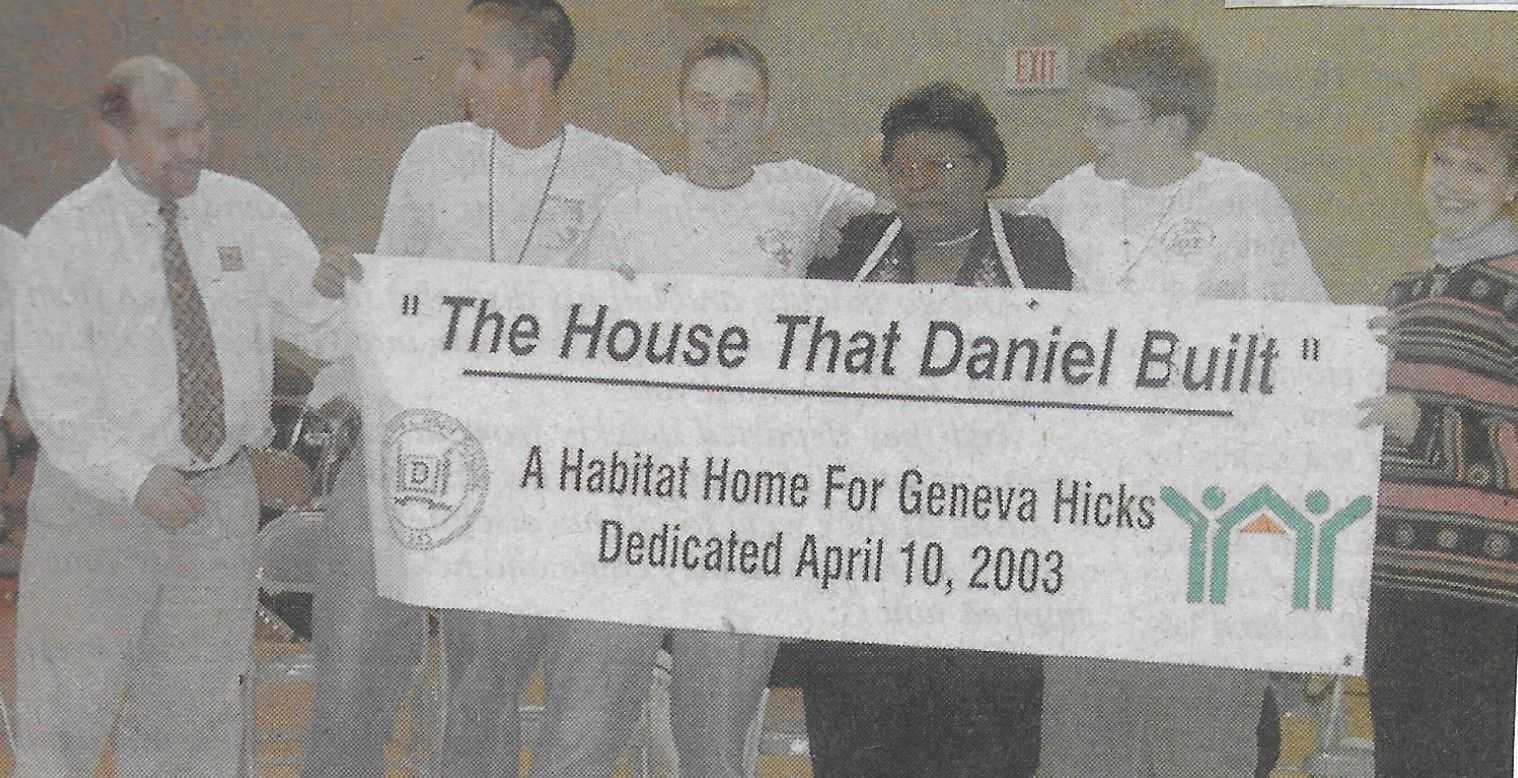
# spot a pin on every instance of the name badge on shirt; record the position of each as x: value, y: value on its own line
x: 231, y: 258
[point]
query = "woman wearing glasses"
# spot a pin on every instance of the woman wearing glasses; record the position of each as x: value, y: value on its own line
x: 881, y: 711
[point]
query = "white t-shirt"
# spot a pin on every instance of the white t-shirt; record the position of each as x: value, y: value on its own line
x: 770, y: 226
x: 441, y: 199
x: 441, y: 196
x: 1222, y: 232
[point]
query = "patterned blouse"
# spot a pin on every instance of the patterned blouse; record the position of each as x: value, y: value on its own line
x: 981, y: 267
x: 1448, y: 521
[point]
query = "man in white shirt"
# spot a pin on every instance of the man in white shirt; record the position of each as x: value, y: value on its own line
x: 11, y: 246
x: 1151, y: 216
x: 147, y: 304
x: 513, y: 184
x: 728, y: 215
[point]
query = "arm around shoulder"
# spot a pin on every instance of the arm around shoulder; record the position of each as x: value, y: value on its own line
x: 857, y: 240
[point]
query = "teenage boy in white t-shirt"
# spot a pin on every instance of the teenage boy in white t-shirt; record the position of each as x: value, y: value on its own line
x: 1152, y: 216
x: 516, y: 184
x: 728, y: 215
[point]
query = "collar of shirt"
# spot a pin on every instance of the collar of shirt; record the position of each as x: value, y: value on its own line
x: 137, y: 198
x: 981, y: 266
x: 139, y: 207
x: 542, y: 154
x: 1497, y: 239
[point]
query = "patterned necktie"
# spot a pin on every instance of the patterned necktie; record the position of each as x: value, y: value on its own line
x: 202, y: 417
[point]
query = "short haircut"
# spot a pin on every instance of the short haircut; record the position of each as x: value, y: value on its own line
x: 532, y: 29
x: 113, y: 105
x: 1478, y: 105
x: 724, y: 47
x: 947, y: 107
x: 1168, y: 71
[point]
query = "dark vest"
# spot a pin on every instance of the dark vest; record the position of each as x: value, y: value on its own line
x: 1037, y: 249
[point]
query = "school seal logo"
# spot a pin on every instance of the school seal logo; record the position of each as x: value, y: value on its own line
x: 436, y: 478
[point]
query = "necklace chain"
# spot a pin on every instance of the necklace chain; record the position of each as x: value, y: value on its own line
x: 542, y: 201
x: 943, y: 244
x: 1130, y: 258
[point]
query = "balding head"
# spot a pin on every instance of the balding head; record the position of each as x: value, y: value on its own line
x: 135, y: 82
x: 152, y: 119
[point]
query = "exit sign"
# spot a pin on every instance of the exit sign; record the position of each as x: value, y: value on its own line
x: 1037, y: 67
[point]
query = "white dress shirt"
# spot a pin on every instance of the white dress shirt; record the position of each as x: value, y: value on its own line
x: 1221, y: 232
x: 95, y: 337
x: 770, y: 226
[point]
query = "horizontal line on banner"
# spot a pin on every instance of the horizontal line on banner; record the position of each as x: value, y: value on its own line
x: 825, y: 394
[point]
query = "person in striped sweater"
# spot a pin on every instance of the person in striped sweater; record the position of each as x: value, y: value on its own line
x: 1444, y: 599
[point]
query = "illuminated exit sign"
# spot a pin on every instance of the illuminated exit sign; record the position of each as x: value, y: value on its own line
x: 1037, y: 67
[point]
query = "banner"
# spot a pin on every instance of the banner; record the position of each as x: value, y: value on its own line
x: 1042, y: 472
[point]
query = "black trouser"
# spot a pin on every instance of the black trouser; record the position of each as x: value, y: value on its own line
x: 1442, y: 684
x: 885, y: 711
x: 1268, y: 736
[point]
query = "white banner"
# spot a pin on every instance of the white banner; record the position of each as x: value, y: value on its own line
x: 1043, y: 472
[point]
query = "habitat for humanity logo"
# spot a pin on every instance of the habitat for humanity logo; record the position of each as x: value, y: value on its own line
x: 1267, y: 512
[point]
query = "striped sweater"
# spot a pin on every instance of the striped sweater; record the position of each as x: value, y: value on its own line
x: 1448, y: 520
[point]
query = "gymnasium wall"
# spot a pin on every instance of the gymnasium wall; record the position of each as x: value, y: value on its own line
x: 316, y: 101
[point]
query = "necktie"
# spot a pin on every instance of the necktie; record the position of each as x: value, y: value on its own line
x: 202, y: 418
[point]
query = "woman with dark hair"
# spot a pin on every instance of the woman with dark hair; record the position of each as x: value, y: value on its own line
x: 1444, y: 597
x: 876, y: 711
x: 942, y: 154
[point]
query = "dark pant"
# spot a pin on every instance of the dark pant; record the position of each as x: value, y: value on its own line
x: 1442, y: 678
x: 884, y: 711
x: 1268, y: 736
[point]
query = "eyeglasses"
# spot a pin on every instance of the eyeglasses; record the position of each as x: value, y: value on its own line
x: 1106, y: 119
x: 739, y: 106
x: 901, y: 168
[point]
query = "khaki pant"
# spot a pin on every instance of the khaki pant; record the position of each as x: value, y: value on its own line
x: 597, y: 674
x: 113, y: 606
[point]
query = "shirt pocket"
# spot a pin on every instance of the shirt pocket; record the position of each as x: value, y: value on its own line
x: 234, y: 307
x: 139, y: 313
x: 229, y: 292
x: 132, y: 346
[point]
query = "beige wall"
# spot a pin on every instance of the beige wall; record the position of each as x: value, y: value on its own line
x: 316, y: 105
